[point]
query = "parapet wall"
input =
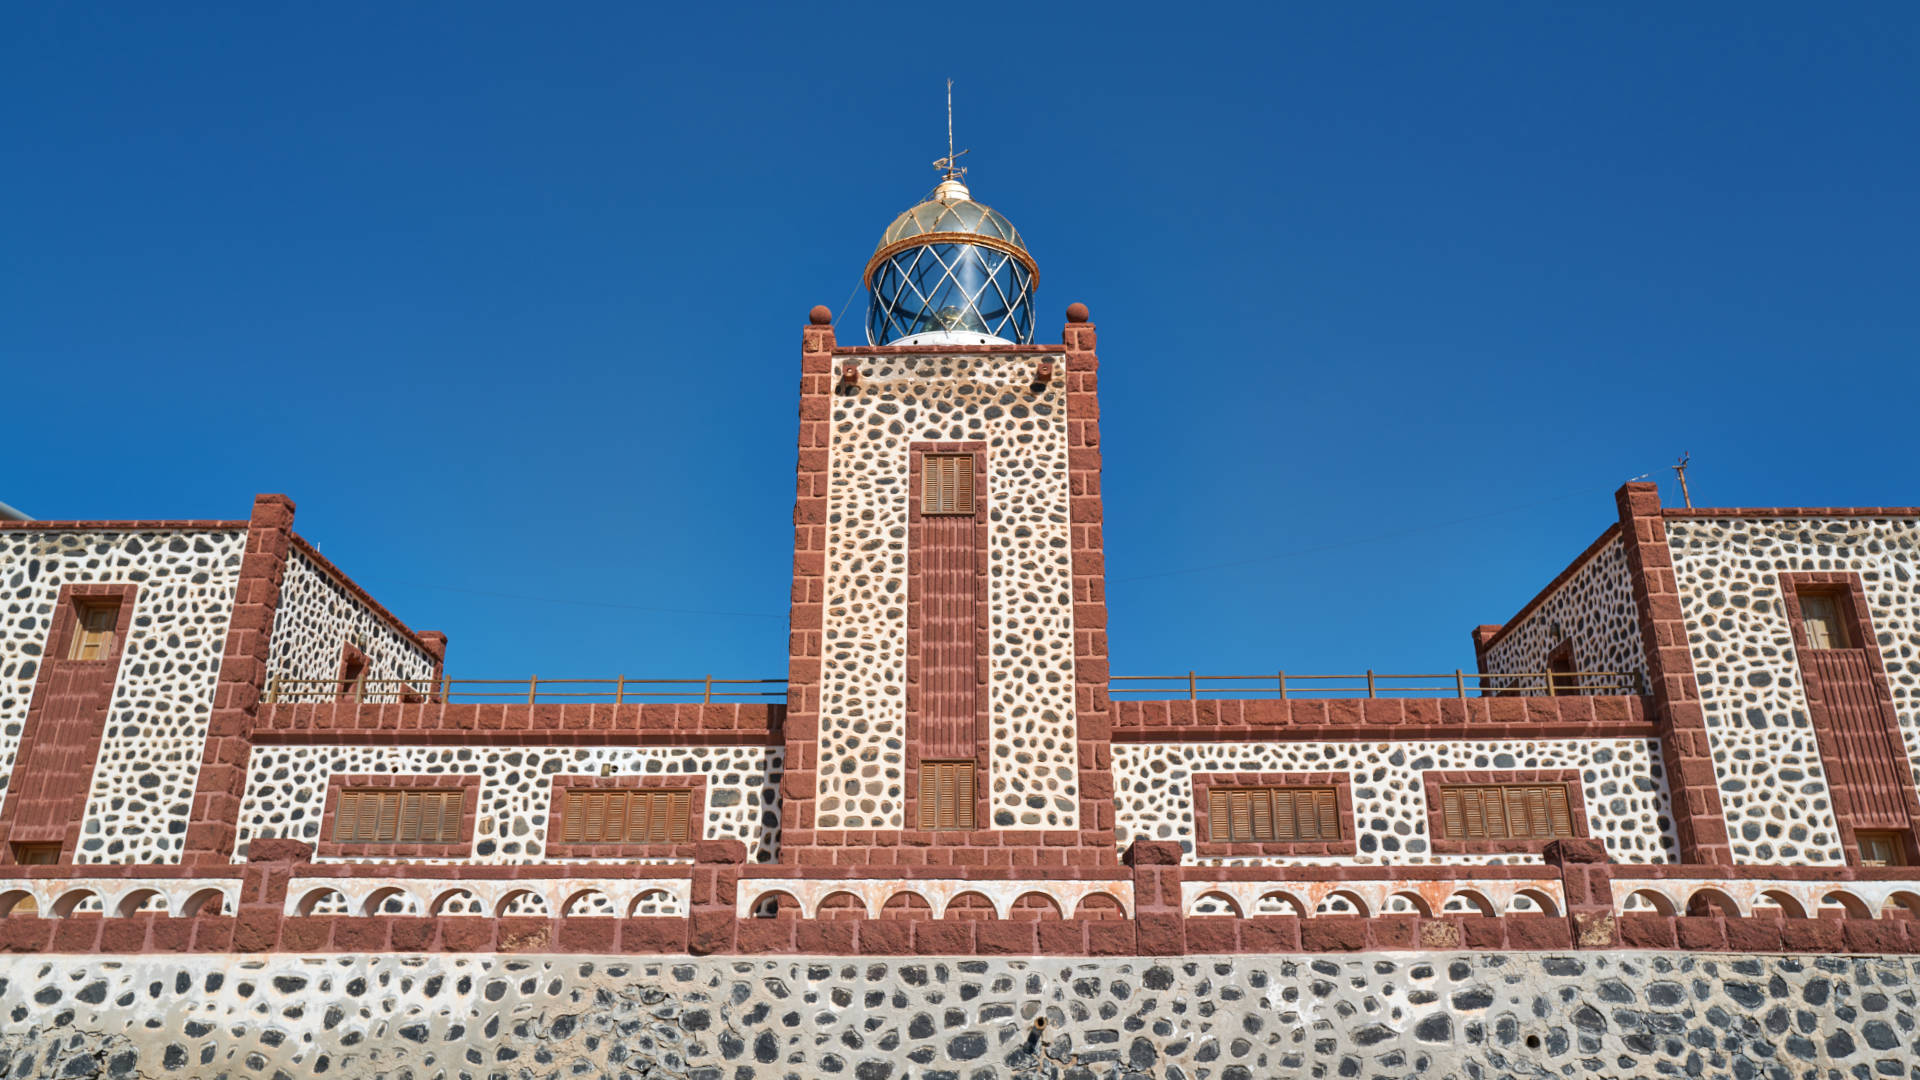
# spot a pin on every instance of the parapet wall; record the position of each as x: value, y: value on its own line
x: 1441, y: 1015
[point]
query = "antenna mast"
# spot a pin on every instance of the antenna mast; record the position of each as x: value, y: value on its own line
x: 1680, y: 470
x: 950, y: 163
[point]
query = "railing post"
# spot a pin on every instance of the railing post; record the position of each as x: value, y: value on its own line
x: 1193, y: 686
x: 1370, y: 682
x: 1460, y: 683
x: 619, y: 690
x: 273, y: 689
x: 708, y: 698
x: 1283, y: 685
x: 533, y: 687
x: 446, y: 689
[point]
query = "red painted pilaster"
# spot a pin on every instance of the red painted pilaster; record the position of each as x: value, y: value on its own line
x: 798, y: 781
x: 214, y: 825
x: 1093, y: 711
x: 1685, y: 749
x: 1158, y: 916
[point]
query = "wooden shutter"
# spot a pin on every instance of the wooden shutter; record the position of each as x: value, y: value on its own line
x: 396, y: 816
x: 1506, y: 812
x: 946, y: 484
x: 94, y: 622
x: 629, y: 817
x: 1243, y: 815
x: 946, y: 795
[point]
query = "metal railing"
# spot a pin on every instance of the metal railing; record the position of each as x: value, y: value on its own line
x: 619, y: 690
x: 1373, y: 684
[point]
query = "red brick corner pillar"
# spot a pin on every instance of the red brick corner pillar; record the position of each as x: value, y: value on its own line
x: 1685, y: 749
x: 1483, y: 637
x: 435, y: 643
x: 263, y: 891
x: 1586, y: 878
x: 1093, y: 710
x: 1157, y: 913
x: 712, y: 919
x: 215, y: 821
x: 800, y: 769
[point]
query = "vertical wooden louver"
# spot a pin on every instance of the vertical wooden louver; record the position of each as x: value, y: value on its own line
x: 946, y: 794
x: 1506, y: 812
x: 627, y: 817
x: 397, y: 816
x: 1241, y: 815
x: 946, y: 484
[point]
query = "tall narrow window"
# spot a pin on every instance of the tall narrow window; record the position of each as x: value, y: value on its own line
x: 1241, y: 815
x: 93, y: 629
x: 946, y: 794
x: 627, y: 817
x: 1823, y: 615
x: 398, y: 816
x: 946, y: 484
x: 353, y: 675
x: 1505, y: 812
x: 1560, y: 671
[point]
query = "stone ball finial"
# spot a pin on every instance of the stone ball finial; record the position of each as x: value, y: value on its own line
x: 1076, y: 312
x: 821, y: 315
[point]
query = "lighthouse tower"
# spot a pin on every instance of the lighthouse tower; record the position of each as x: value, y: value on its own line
x: 947, y: 702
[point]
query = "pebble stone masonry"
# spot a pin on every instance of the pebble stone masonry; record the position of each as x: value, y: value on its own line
x: 1444, y: 1015
x: 174, y: 899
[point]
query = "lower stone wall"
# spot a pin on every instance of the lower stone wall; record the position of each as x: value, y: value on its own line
x: 1480, y: 1015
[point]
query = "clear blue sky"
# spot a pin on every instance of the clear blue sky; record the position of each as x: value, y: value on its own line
x: 1391, y: 297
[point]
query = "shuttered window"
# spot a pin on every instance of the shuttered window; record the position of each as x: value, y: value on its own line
x: 398, y: 816
x: 946, y: 484
x: 1505, y: 812
x: 93, y: 629
x: 627, y: 817
x: 1240, y: 815
x: 946, y: 795
x: 1824, y: 616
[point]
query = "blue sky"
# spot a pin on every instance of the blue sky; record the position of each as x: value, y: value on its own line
x: 1391, y: 297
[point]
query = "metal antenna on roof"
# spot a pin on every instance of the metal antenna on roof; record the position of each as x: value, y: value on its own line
x: 1680, y: 470
x: 950, y: 162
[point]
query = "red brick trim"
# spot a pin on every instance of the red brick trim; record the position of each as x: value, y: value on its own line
x: 365, y: 598
x: 124, y: 526
x: 916, y: 530
x: 1093, y: 710
x: 1686, y: 750
x: 1433, y: 780
x: 353, y: 668
x: 940, y: 350
x: 1793, y: 511
x: 66, y: 719
x: 1381, y: 719
x: 469, y: 786
x: 1846, y: 800
x: 213, y: 826
x: 1341, y: 782
x: 800, y: 777
x: 557, y: 815
x: 1541, y: 597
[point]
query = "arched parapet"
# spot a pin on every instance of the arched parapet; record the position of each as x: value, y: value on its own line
x: 603, y: 897
x: 1215, y: 902
x: 1376, y: 896
x: 589, y: 903
x: 1789, y: 897
x: 874, y: 893
x: 457, y: 902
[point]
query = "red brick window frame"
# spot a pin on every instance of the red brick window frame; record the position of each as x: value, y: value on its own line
x: 73, y: 603
x: 460, y: 848
x: 1436, y: 825
x: 695, y: 785
x: 1340, y: 782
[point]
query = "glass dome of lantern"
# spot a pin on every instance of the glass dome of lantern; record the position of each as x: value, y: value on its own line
x: 951, y: 271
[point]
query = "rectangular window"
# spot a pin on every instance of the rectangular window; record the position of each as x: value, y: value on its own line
x: 398, y: 816
x: 946, y: 795
x: 1881, y: 848
x: 1560, y: 671
x: 627, y: 817
x: 946, y: 484
x: 36, y: 854
x: 1505, y: 812
x: 1241, y: 815
x: 94, y: 623
x: 1824, y: 616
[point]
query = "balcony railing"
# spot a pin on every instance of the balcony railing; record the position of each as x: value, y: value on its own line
x: 622, y: 690
x: 619, y: 690
x: 1373, y: 684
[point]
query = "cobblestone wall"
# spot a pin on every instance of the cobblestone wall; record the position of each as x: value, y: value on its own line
x: 1594, y: 610
x: 1439, y: 1015
x: 317, y: 617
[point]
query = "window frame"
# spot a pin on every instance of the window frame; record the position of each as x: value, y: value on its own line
x: 1440, y: 844
x: 557, y: 848
x: 972, y: 805
x: 338, y: 785
x: 928, y: 459
x: 1340, y: 782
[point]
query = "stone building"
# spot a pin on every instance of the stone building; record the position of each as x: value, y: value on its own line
x: 251, y: 825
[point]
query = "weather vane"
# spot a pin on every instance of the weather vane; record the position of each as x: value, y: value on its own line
x: 950, y: 162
